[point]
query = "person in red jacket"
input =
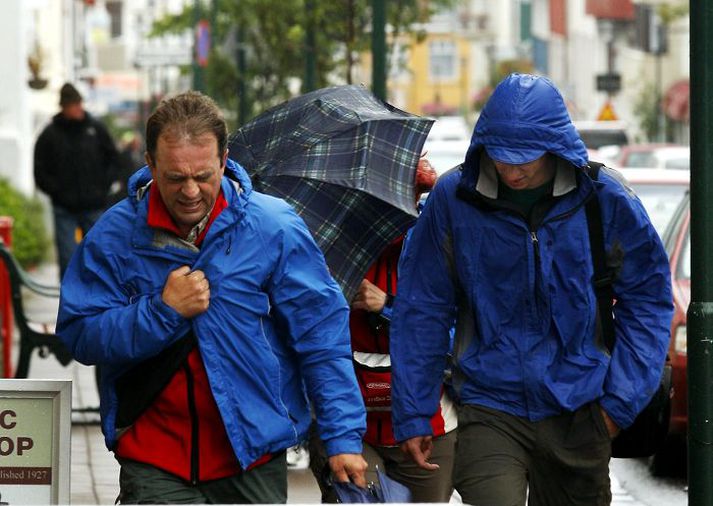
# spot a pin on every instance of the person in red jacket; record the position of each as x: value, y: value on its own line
x: 369, y: 327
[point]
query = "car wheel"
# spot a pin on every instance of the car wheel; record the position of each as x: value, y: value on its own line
x: 671, y: 459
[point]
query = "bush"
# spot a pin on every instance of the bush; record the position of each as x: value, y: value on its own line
x: 30, y: 242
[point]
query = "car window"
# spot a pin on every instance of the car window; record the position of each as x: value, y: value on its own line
x: 640, y: 159
x: 683, y: 163
x: 684, y: 260
x: 595, y: 139
x: 660, y: 201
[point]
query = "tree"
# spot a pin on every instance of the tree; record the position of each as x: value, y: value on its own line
x: 274, y: 34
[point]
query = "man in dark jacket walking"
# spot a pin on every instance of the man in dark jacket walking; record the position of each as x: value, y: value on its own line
x: 75, y: 158
x: 502, y: 246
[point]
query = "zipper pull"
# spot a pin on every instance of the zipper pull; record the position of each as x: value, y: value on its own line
x: 533, y: 237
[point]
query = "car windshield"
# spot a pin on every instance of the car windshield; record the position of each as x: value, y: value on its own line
x: 660, y: 201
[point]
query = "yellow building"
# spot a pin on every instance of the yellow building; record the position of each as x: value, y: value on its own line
x: 434, y: 80
x: 429, y: 73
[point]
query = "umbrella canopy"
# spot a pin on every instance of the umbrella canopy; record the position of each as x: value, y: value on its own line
x: 346, y: 161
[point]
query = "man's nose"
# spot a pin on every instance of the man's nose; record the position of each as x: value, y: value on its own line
x: 190, y: 188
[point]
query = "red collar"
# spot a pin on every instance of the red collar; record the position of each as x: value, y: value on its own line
x: 159, y: 217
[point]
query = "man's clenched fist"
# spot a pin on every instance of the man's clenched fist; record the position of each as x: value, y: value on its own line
x: 187, y: 292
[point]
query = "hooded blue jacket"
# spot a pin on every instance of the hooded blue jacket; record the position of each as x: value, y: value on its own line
x: 520, y: 288
x: 276, y: 330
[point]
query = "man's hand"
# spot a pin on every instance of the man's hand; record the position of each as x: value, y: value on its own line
x: 612, y: 427
x: 349, y: 467
x: 369, y: 297
x: 420, y: 448
x: 187, y: 292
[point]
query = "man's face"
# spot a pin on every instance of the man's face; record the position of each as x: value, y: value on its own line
x: 187, y: 173
x: 74, y: 111
x: 527, y: 175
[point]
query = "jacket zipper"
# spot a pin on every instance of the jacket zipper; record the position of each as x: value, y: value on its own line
x: 193, y: 414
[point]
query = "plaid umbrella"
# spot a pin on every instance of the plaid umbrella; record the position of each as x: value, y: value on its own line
x: 346, y: 161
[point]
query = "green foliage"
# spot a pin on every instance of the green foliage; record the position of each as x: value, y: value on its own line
x: 670, y: 12
x: 646, y: 111
x: 30, y: 242
x: 273, y: 33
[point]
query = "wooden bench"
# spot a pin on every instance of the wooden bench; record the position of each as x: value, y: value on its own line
x: 33, y: 335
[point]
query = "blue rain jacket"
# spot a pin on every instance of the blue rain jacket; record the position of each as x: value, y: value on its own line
x: 521, y: 290
x: 276, y: 330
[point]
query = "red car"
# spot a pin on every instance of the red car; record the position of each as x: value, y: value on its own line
x: 671, y: 459
x: 664, y: 194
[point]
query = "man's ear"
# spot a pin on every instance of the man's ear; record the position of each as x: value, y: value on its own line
x: 224, y: 160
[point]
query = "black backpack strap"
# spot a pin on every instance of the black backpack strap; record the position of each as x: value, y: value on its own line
x: 603, y: 278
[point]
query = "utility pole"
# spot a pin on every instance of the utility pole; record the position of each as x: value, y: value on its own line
x: 700, y: 310
x: 198, y: 81
x: 378, y: 48
x: 243, y: 106
x: 310, y: 81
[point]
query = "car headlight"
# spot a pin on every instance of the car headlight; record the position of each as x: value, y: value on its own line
x: 679, y: 340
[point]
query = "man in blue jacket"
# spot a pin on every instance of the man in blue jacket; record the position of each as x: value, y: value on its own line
x: 502, y: 246
x: 212, y: 314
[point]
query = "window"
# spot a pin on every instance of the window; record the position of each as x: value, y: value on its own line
x: 114, y: 9
x: 442, y: 62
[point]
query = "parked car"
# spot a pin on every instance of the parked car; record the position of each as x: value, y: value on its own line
x: 664, y: 194
x: 449, y: 128
x: 596, y: 134
x: 660, y: 191
x: 444, y: 155
x: 654, y: 155
x: 447, y: 143
x: 671, y: 459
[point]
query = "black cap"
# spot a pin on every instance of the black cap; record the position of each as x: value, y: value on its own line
x: 68, y: 94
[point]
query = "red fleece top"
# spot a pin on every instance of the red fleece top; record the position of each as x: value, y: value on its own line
x: 163, y: 436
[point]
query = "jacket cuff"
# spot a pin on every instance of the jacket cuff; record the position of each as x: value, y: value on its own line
x: 413, y: 428
x: 350, y: 443
x: 386, y: 312
x: 618, y: 411
x: 168, y: 315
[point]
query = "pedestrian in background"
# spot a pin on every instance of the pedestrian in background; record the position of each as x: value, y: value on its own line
x: 74, y: 164
x: 502, y: 245
x: 131, y: 159
x: 213, y: 315
x: 369, y: 323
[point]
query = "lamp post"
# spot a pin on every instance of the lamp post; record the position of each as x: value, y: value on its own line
x: 378, y: 48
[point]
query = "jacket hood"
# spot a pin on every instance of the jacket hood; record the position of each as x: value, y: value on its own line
x: 525, y: 118
x: 142, y: 177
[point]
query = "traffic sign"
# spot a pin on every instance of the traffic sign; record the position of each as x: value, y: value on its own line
x: 607, y: 113
x: 610, y: 82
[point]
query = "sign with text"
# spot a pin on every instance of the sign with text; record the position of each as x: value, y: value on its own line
x: 35, y: 431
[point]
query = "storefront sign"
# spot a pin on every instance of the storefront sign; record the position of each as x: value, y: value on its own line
x: 35, y: 431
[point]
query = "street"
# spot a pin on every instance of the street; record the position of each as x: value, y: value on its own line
x: 636, y: 486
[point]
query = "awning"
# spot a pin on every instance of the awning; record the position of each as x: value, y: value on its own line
x: 676, y: 103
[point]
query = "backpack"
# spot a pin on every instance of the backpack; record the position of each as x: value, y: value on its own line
x: 650, y: 428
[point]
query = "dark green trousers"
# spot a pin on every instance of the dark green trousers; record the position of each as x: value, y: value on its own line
x: 504, y: 460
x: 143, y: 484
